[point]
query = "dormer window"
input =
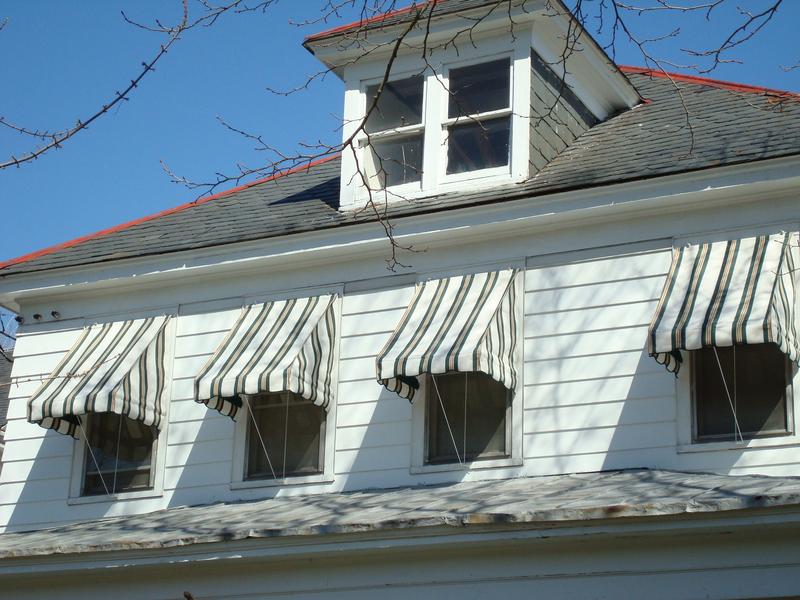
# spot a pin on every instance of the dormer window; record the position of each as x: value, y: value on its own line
x: 479, y: 117
x: 475, y: 99
x: 394, y: 133
x: 470, y: 107
x: 438, y: 128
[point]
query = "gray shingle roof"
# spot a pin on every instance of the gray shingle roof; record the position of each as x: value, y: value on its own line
x: 531, y: 502
x: 724, y: 127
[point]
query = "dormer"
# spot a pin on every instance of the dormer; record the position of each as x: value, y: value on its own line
x: 478, y: 94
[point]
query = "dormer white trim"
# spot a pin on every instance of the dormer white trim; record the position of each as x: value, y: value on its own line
x: 537, y: 27
x: 487, y: 48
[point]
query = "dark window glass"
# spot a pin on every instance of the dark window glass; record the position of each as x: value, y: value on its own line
x: 291, y: 429
x: 120, y: 455
x: 756, y: 377
x: 475, y: 407
x: 479, y: 88
x: 398, y: 160
x: 399, y: 104
x: 472, y: 145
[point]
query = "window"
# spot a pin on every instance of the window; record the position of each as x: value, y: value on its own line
x: 120, y: 455
x: 479, y: 117
x: 757, y: 386
x: 468, y: 418
x: 284, y: 437
x: 395, y: 133
x: 467, y: 111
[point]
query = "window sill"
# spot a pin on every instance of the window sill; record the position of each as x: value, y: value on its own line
x: 490, y: 175
x: 114, y: 497
x: 784, y: 440
x: 478, y: 465
x: 288, y: 481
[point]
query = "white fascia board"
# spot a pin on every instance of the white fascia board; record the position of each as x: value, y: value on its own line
x: 434, y: 539
x: 378, y: 44
x: 721, y: 186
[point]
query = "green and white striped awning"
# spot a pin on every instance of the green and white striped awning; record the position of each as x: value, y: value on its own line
x: 460, y: 324
x: 726, y: 293
x: 282, y: 346
x: 113, y: 367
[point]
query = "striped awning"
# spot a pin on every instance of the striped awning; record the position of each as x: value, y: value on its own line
x: 460, y: 324
x: 113, y: 367
x: 726, y: 293
x: 282, y: 346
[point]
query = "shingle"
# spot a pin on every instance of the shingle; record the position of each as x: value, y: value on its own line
x: 682, y: 127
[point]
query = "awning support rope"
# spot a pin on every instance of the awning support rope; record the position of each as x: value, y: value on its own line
x: 260, y: 439
x: 447, y: 421
x: 731, y: 401
x: 94, y: 459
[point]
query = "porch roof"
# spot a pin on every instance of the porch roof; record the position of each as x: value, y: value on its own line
x: 531, y: 503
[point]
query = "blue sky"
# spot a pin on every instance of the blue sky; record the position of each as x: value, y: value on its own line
x: 62, y: 59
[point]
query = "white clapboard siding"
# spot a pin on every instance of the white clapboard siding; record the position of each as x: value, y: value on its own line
x: 590, y: 389
x: 590, y: 399
x: 600, y: 439
x: 373, y: 459
x: 45, y: 447
x: 601, y: 270
x: 381, y: 321
x: 207, y: 451
x: 601, y: 389
x: 599, y: 294
x: 197, y: 475
x: 585, y: 343
x: 609, y: 414
x: 590, y: 319
x: 373, y: 435
x: 386, y: 410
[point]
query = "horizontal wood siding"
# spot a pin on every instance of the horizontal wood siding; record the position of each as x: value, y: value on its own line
x: 591, y: 399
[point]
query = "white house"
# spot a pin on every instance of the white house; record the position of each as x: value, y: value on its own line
x: 580, y: 386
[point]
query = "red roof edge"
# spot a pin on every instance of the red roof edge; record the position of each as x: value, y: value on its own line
x: 163, y: 213
x: 371, y: 20
x: 725, y: 85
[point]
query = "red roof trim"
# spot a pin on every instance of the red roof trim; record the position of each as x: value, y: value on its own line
x: 163, y: 213
x: 371, y: 20
x: 725, y: 85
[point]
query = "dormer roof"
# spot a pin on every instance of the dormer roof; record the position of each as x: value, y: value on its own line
x: 730, y: 124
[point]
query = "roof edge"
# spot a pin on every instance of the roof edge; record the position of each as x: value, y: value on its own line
x: 717, y: 83
x: 175, y: 209
x: 314, y: 37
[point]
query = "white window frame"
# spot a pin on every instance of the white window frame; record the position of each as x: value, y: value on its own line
x: 238, y: 480
x: 327, y: 444
x: 158, y: 459
x: 686, y: 421
x: 445, y: 121
x: 435, y: 119
x: 514, y: 425
x: 361, y: 141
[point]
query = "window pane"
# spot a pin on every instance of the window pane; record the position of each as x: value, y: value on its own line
x: 291, y: 429
x: 472, y: 146
x: 123, y: 449
x: 479, y: 88
x: 397, y: 161
x: 399, y: 104
x: 758, y: 388
x: 477, y: 422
